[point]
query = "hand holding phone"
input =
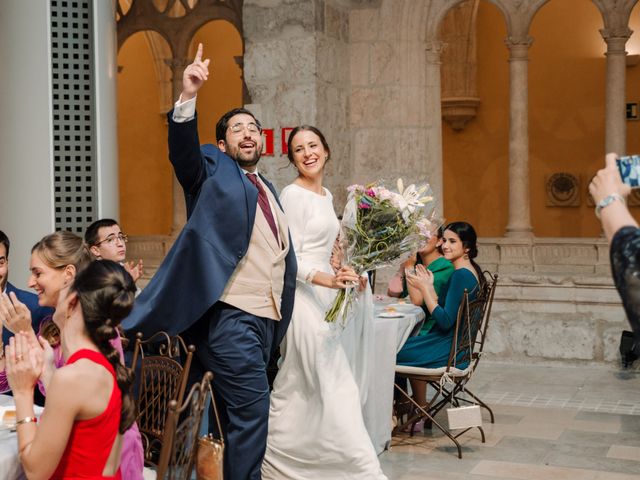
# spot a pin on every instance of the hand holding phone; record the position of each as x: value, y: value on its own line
x: 629, y: 168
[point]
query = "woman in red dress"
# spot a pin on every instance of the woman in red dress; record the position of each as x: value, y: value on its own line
x: 89, y: 405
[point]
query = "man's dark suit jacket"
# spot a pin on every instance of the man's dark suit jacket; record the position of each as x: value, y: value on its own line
x: 221, y: 208
x: 38, y: 313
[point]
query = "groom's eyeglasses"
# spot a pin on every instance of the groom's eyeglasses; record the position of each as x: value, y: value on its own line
x: 239, y: 128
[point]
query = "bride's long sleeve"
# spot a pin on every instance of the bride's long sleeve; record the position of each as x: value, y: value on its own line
x: 298, y: 211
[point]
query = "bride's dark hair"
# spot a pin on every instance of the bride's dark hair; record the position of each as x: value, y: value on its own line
x: 106, y: 293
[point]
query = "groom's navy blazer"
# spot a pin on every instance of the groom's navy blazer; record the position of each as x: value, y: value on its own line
x: 30, y: 300
x: 221, y: 208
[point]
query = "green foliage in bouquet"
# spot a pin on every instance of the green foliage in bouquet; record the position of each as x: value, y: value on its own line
x: 379, y: 227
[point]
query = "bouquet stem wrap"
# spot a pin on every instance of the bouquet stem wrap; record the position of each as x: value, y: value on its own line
x: 379, y: 227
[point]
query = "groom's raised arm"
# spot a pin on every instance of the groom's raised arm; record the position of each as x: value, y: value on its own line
x: 184, y: 143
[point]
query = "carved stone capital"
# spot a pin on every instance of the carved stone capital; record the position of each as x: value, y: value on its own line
x: 518, y: 47
x: 458, y: 111
x: 616, y: 39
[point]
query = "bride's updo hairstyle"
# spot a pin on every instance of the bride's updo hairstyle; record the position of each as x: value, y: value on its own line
x: 106, y: 293
x: 310, y: 128
x: 469, y: 239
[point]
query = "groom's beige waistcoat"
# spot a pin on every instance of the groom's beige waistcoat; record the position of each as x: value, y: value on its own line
x: 257, y: 282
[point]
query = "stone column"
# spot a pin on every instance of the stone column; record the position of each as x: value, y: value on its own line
x: 177, y: 66
x: 434, y: 107
x: 615, y: 122
x: 519, y: 222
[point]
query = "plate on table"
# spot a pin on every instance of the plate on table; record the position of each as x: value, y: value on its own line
x: 391, y: 314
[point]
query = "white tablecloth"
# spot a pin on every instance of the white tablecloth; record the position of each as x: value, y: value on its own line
x: 389, y: 336
x: 10, y: 468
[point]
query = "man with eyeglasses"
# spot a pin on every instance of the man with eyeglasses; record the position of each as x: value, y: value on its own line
x: 228, y: 282
x: 106, y: 241
x: 10, y: 294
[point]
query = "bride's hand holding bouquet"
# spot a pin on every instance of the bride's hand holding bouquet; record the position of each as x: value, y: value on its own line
x: 381, y: 226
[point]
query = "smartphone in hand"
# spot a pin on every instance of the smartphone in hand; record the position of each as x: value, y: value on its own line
x: 629, y: 167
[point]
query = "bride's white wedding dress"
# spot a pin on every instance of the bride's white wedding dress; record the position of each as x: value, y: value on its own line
x: 316, y: 430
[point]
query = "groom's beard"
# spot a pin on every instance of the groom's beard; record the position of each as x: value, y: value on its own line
x: 246, y: 162
x: 245, y: 159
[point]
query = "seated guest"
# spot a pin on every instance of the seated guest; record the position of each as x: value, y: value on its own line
x: 432, y: 349
x: 80, y: 434
x: 431, y: 257
x: 55, y: 262
x: 107, y: 242
x: 10, y: 292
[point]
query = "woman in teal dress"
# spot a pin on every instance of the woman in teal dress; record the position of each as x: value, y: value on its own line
x: 459, y: 246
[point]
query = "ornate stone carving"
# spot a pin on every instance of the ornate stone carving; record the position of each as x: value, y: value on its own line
x: 563, y: 190
x: 459, y: 64
x: 458, y: 111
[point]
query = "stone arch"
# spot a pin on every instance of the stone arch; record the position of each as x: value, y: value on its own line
x: 176, y: 21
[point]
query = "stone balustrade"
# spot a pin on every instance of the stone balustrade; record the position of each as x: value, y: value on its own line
x: 555, y: 300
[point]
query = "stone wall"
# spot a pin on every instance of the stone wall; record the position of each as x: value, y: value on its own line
x: 296, y: 67
x: 394, y: 133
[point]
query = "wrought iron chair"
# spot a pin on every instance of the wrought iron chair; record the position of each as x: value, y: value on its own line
x: 463, y: 357
x: 461, y: 387
x: 180, y: 439
x: 164, y: 364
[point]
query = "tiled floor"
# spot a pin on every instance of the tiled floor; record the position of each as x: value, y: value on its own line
x: 564, y: 423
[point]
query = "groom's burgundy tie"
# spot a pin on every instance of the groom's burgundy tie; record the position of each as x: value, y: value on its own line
x: 263, y: 201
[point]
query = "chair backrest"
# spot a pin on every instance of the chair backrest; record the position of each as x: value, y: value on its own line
x: 164, y: 363
x: 180, y: 440
x: 491, y: 280
x: 471, y: 325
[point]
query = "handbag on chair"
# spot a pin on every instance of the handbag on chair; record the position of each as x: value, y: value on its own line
x: 210, y: 451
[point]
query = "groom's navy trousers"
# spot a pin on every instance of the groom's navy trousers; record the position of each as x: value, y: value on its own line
x: 235, y: 346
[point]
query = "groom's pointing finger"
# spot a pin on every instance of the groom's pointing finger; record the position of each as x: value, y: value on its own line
x: 198, y: 53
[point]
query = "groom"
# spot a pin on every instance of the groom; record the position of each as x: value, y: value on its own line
x: 228, y: 281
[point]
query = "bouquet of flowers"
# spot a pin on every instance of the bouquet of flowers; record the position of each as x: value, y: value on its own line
x: 379, y: 227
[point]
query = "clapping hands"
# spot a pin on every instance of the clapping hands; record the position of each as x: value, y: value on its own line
x: 135, y: 270
x: 23, y: 362
x: 14, y: 314
x: 421, y: 278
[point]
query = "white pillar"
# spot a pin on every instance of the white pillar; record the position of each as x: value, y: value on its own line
x: 27, y: 199
x: 26, y: 150
x: 519, y: 220
x: 434, y: 108
x: 615, y: 121
x: 105, y: 45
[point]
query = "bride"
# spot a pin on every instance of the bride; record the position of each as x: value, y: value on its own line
x: 316, y: 429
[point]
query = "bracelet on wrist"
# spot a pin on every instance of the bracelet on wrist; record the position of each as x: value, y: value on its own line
x: 27, y: 420
x: 608, y: 200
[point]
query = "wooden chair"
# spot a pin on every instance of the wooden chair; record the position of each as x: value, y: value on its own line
x: 164, y: 364
x: 180, y: 439
x: 464, y: 355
